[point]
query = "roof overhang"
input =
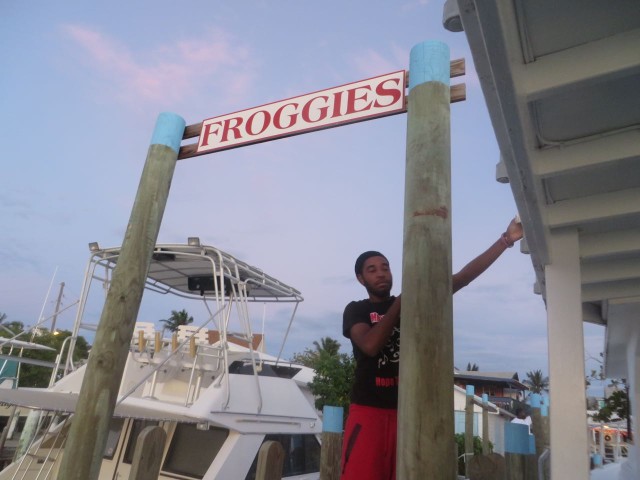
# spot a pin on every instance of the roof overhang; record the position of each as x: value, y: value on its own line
x: 561, y: 82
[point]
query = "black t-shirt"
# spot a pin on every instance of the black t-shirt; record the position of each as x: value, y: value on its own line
x: 376, y: 378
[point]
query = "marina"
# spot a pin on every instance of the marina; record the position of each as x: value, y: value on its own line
x: 209, y: 386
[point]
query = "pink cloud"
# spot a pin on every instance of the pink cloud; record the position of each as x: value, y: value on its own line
x: 169, y: 73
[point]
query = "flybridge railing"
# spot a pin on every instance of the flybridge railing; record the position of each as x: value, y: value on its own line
x: 240, y: 278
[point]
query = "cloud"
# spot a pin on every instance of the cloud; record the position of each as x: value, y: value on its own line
x: 413, y: 5
x: 167, y: 73
x: 372, y: 63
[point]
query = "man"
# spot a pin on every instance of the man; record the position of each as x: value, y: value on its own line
x: 522, y: 418
x: 373, y: 326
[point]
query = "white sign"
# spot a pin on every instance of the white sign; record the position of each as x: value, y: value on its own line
x: 375, y: 97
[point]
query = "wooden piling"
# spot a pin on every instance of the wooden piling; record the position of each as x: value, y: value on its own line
x: 96, y: 402
x: 486, y: 449
x: 147, y: 456
x: 537, y: 429
x: 425, y: 405
x: 468, y: 427
x: 331, y: 443
x: 270, y: 461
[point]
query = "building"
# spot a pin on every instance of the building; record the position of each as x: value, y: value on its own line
x: 561, y: 81
x: 503, y: 388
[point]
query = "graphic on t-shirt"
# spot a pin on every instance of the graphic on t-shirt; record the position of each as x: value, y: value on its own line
x: 391, y: 351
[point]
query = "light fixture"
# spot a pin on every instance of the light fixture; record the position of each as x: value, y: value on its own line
x: 94, y: 247
x: 537, y: 289
x: 451, y: 16
x: 193, y: 241
x: 501, y: 171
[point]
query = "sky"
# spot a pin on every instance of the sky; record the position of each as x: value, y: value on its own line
x: 81, y: 89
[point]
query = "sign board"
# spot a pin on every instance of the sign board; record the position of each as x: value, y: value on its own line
x: 372, y: 98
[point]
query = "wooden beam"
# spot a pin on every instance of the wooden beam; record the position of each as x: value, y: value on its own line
x: 593, y: 208
x: 458, y: 93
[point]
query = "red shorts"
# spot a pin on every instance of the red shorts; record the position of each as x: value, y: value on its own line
x: 369, y: 444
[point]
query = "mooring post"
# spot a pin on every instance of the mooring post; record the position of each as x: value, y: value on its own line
x: 468, y: 427
x: 96, y: 402
x: 147, y: 456
x: 270, y: 461
x: 331, y: 442
x: 425, y: 406
x: 486, y: 450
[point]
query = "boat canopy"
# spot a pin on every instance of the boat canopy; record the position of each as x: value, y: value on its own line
x: 205, y: 271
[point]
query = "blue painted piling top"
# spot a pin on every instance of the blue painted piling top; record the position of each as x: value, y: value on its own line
x: 429, y: 62
x: 470, y: 390
x: 332, y: 419
x: 485, y: 398
x: 168, y: 131
x: 517, y: 439
x: 536, y: 400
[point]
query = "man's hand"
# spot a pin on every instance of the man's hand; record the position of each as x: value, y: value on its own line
x: 514, y: 230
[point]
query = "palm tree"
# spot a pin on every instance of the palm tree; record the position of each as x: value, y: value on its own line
x: 176, y: 319
x: 536, y: 381
x: 327, y: 345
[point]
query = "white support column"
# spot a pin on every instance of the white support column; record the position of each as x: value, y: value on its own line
x: 569, y: 436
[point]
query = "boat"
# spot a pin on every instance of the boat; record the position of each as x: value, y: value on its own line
x: 209, y: 385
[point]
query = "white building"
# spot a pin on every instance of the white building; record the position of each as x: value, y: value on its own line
x: 561, y: 80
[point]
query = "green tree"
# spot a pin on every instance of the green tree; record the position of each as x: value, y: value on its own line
x: 615, y: 404
x: 176, y: 319
x: 536, y: 381
x: 472, y: 368
x: 477, y: 449
x: 34, y: 375
x: 334, y: 372
x: 309, y: 357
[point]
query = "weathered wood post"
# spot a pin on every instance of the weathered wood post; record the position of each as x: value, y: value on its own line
x: 486, y: 450
x: 29, y: 431
x: 425, y: 406
x: 270, y: 461
x: 331, y: 442
x: 90, y: 425
x: 468, y: 427
x: 147, y: 456
x: 537, y: 428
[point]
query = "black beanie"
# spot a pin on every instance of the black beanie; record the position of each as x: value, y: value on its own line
x: 363, y: 258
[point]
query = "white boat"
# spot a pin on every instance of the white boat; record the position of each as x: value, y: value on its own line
x: 217, y: 394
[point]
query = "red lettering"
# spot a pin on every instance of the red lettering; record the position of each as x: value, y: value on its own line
x: 352, y: 98
x: 265, y: 122
x: 207, y: 133
x: 292, y: 117
x: 227, y: 127
x: 337, y: 104
x: 394, y: 93
x: 306, y: 110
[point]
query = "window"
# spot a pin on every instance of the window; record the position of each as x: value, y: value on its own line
x: 186, y: 455
x: 301, y: 455
x: 115, y: 429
